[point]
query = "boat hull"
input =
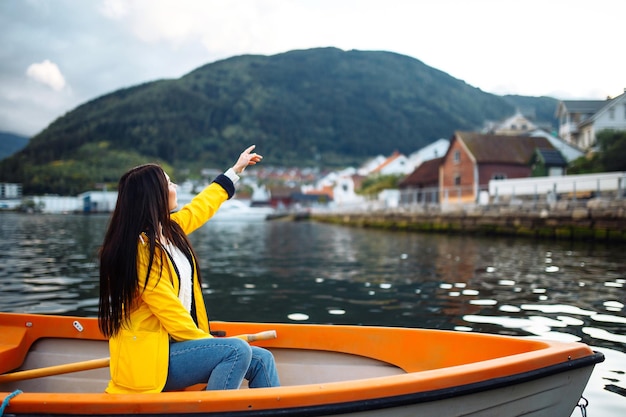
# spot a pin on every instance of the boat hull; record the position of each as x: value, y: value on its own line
x: 325, y: 371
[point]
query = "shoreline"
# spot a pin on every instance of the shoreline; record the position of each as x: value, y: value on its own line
x: 595, y: 220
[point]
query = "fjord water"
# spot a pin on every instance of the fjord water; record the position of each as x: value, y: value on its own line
x: 316, y: 273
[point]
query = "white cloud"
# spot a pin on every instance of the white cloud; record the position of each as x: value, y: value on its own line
x: 484, y: 42
x: 105, y: 45
x: 224, y: 27
x: 114, y: 9
x: 47, y: 73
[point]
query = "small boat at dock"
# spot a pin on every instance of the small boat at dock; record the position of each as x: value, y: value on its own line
x: 57, y: 365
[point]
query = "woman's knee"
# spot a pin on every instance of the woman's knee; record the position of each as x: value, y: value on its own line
x: 262, y: 372
x: 263, y: 355
x: 241, y: 347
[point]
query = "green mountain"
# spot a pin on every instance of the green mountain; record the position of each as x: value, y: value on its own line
x: 11, y: 143
x: 324, y: 107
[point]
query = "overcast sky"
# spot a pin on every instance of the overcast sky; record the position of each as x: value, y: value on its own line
x: 58, y: 54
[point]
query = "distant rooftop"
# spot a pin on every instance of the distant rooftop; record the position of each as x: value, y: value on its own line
x: 584, y: 106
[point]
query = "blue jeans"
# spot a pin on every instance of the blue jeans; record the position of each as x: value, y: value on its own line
x: 221, y: 363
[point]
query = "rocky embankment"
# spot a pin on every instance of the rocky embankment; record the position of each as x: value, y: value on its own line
x: 596, y: 219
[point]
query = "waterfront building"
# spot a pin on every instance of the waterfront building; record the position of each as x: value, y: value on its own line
x: 581, y: 120
x: 473, y: 159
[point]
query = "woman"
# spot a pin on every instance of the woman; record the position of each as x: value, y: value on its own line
x: 151, y: 304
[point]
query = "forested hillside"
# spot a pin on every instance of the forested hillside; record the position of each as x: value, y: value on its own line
x: 323, y: 107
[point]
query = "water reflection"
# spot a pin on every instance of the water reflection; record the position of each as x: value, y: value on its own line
x: 341, y: 275
x: 316, y: 273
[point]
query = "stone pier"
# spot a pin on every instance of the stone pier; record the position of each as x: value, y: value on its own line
x: 596, y: 219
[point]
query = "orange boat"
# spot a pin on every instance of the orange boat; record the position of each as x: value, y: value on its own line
x: 58, y: 365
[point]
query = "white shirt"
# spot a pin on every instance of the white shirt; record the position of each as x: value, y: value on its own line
x: 185, y: 292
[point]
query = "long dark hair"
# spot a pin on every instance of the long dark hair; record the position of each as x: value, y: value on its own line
x: 142, y: 208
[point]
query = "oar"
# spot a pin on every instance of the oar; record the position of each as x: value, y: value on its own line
x: 55, y: 370
x: 101, y: 363
x: 269, y: 334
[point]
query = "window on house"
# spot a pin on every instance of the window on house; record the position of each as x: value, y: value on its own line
x: 457, y: 157
x: 498, y: 176
x: 457, y: 179
x: 513, y: 127
x: 612, y: 114
x: 624, y: 111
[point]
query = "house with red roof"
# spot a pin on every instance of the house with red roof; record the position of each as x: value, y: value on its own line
x: 422, y: 185
x: 395, y: 164
x: 473, y: 159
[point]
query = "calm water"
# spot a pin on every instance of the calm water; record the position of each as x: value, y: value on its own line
x: 317, y: 273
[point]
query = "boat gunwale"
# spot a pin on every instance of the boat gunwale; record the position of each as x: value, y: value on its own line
x: 372, y: 404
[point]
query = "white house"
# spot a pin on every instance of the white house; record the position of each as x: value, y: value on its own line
x: 581, y: 120
x: 98, y: 201
x: 342, y: 185
x: 396, y: 164
x: 369, y: 166
x: 437, y: 149
x: 344, y: 191
x: 611, y: 116
x: 516, y: 125
x: 10, y: 190
x: 58, y: 204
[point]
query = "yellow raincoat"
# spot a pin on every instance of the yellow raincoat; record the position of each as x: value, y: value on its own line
x: 140, y: 350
